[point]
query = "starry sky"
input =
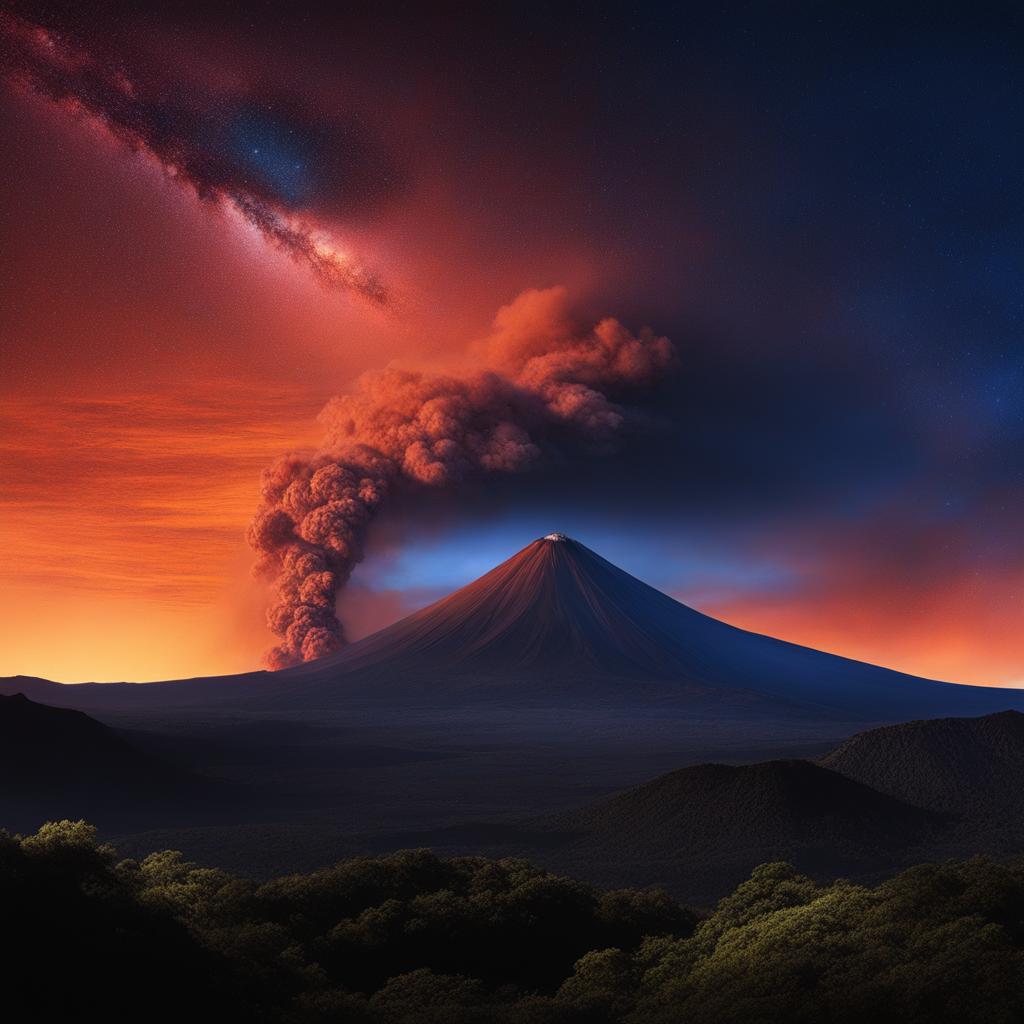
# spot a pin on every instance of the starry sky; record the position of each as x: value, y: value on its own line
x: 216, y: 217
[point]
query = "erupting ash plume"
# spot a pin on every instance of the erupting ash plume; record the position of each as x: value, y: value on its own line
x: 269, y: 171
x: 545, y: 384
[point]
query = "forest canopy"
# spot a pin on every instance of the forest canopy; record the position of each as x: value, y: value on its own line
x: 412, y: 938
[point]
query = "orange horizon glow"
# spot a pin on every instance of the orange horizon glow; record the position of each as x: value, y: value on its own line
x: 122, y: 526
x: 936, y: 644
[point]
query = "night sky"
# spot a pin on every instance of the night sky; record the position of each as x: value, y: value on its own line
x: 216, y: 218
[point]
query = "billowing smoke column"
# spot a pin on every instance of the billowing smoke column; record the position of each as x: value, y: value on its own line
x: 545, y: 384
x: 268, y: 171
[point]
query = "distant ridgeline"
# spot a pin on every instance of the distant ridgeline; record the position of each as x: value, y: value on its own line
x: 414, y: 939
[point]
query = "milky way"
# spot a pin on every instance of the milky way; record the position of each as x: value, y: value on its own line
x: 233, y: 150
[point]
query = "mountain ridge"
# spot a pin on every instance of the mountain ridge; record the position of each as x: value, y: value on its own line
x: 61, y: 751
x: 559, y: 609
x: 696, y: 829
x: 972, y: 766
x: 556, y: 622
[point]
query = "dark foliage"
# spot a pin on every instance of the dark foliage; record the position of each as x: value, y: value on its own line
x: 415, y: 939
x: 82, y: 941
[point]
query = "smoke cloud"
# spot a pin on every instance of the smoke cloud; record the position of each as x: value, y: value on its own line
x: 269, y: 168
x: 545, y: 385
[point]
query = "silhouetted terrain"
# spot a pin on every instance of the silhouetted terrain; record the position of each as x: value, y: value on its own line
x: 58, y: 761
x: 41, y: 746
x: 485, y: 722
x: 972, y: 766
x: 695, y: 831
x: 710, y: 824
x: 558, y: 622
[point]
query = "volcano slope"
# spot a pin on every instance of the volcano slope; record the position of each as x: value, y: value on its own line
x: 558, y: 625
x: 556, y: 622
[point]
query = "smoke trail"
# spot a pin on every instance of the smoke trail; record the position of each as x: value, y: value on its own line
x: 201, y: 146
x: 544, y: 384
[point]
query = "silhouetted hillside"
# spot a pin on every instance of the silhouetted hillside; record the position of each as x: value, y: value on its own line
x: 41, y: 746
x: 698, y: 828
x: 965, y: 765
x: 58, y: 761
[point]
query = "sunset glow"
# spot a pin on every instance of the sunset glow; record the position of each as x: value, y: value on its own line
x: 195, y: 264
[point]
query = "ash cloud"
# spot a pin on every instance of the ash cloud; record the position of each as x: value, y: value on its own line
x: 545, y: 386
x: 262, y: 156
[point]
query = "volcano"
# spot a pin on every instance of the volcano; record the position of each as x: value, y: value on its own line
x: 557, y: 623
x: 560, y: 620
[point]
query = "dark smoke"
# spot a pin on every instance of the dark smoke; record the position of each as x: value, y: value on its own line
x: 544, y: 384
